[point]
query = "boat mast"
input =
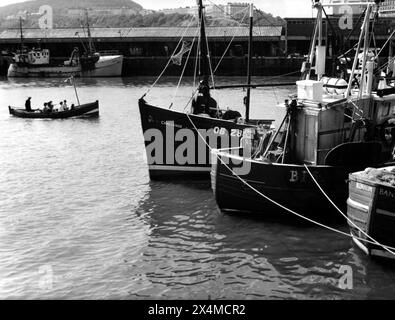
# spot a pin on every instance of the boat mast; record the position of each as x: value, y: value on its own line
x: 248, y: 97
x: 204, y: 63
x: 21, y: 30
x: 317, y: 51
x: 91, y: 49
x: 364, y: 31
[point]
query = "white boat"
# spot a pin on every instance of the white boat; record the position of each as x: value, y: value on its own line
x: 37, y: 63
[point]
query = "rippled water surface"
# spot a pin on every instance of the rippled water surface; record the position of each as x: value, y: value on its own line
x: 79, y: 218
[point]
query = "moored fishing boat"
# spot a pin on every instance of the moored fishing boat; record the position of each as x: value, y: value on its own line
x: 36, y: 62
x: 176, y: 141
x: 371, y: 210
x: 332, y: 127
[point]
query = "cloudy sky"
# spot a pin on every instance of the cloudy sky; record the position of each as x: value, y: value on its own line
x: 283, y: 8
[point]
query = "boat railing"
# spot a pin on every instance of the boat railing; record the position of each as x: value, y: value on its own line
x: 109, y: 53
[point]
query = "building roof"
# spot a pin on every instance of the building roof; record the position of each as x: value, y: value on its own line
x: 140, y: 34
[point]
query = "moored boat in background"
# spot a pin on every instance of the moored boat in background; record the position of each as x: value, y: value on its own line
x: 36, y: 62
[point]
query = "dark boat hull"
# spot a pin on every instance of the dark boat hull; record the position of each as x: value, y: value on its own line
x: 169, y: 126
x: 289, y: 185
x: 84, y: 110
x: 371, y: 208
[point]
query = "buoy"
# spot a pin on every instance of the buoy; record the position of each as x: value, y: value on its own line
x: 334, y: 85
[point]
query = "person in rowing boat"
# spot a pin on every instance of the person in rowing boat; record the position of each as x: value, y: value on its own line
x: 65, y: 107
x: 50, y: 106
x: 61, y: 106
x: 45, y: 109
x: 28, y: 104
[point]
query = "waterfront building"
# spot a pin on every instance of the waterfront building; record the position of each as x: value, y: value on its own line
x: 148, y: 49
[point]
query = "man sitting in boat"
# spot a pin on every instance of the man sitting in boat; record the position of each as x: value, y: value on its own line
x: 46, y: 109
x: 28, y: 104
x: 61, y: 107
x: 50, y: 106
x: 65, y: 107
x: 204, y: 104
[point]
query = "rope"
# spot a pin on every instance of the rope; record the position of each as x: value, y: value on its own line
x: 170, y: 59
x: 228, y: 47
x: 276, y: 203
x: 209, y: 63
x: 345, y: 216
x: 196, y: 59
x: 182, y: 74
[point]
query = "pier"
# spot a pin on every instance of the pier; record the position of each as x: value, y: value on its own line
x: 277, y: 49
x: 147, y: 50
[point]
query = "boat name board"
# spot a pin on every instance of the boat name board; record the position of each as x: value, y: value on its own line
x: 364, y: 187
x: 386, y: 193
x: 171, y: 124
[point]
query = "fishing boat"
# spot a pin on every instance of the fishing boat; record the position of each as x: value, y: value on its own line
x: 177, y: 142
x: 83, y: 110
x: 371, y: 210
x: 36, y: 62
x: 50, y: 112
x: 332, y: 127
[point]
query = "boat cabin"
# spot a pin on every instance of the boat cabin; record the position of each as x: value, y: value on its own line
x: 33, y: 57
x: 330, y: 129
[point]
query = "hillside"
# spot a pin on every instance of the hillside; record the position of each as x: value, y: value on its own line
x: 133, y: 15
x: 63, y: 5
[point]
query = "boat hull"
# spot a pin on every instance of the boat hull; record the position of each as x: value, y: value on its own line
x: 168, y: 126
x: 85, y: 110
x: 371, y: 208
x: 290, y: 186
x: 107, y: 66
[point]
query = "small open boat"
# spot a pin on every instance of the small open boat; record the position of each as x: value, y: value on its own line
x: 371, y: 210
x: 83, y: 110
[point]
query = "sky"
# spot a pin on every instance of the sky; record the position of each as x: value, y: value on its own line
x: 282, y: 8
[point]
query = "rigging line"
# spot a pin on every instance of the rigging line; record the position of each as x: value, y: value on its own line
x: 209, y: 63
x: 190, y: 99
x: 232, y: 19
x: 228, y: 47
x: 169, y: 61
x: 224, y: 12
x: 383, y: 66
x: 183, y: 71
x: 196, y: 62
x: 273, y: 201
x: 344, y: 215
x: 244, y: 24
x: 385, y: 44
x: 279, y: 27
x: 357, y: 108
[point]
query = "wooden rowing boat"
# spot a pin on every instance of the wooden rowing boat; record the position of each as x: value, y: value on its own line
x: 83, y: 110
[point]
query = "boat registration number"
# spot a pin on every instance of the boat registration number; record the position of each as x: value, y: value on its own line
x: 223, y: 131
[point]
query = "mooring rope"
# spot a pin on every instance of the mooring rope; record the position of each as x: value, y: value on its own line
x: 344, y: 215
x: 348, y: 235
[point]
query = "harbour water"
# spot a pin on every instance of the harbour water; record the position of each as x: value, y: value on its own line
x: 80, y: 219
